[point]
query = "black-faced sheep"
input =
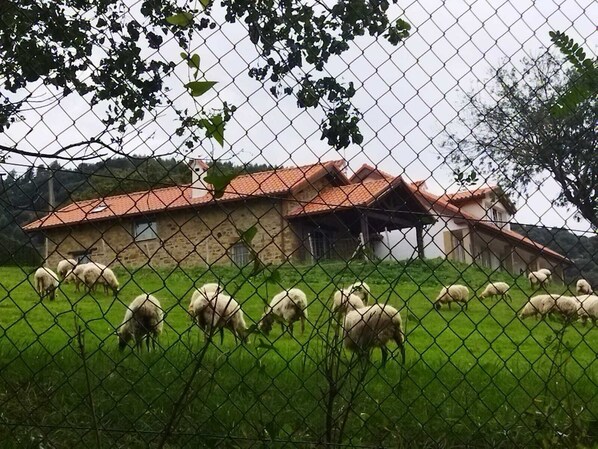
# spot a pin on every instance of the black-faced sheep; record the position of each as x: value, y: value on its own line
x: 286, y: 307
x: 144, y: 319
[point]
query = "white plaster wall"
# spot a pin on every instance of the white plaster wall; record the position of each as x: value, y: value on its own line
x: 402, y: 244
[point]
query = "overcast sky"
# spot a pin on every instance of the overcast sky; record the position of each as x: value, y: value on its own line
x: 407, y: 94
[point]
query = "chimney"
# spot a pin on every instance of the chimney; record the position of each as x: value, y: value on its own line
x: 199, y: 170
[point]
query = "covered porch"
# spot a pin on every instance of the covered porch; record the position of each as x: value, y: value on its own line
x: 344, y: 222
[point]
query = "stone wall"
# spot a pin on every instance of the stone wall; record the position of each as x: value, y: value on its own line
x: 188, y: 237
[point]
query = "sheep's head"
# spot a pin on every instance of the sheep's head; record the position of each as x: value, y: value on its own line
x: 266, y: 322
x: 437, y: 305
x: 123, y: 339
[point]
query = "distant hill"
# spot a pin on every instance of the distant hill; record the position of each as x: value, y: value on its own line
x: 583, y: 250
x: 24, y: 198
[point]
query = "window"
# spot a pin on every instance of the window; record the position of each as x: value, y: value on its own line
x: 82, y: 256
x: 98, y: 208
x: 239, y: 253
x: 497, y: 216
x: 145, y: 230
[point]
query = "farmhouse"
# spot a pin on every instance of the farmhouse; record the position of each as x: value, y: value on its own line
x: 471, y: 226
x: 302, y: 213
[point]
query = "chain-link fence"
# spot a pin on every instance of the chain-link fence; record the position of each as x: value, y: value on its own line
x: 352, y: 223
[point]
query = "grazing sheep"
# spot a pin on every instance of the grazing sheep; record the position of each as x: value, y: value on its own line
x: 94, y: 275
x: 64, y: 266
x: 583, y: 287
x: 566, y: 306
x: 452, y: 293
x: 76, y: 275
x: 538, y: 306
x: 373, y: 327
x: 206, y: 290
x: 588, y: 308
x: 46, y: 282
x: 546, y: 271
x: 496, y: 289
x: 343, y: 302
x: 360, y: 289
x: 219, y: 312
x: 537, y: 277
x: 286, y: 307
x: 144, y: 319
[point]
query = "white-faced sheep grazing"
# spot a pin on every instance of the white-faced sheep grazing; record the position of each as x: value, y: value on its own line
x: 566, y: 306
x: 538, y: 278
x: 343, y: 302
x: 360, y: 289
x: 64, y: 266
x: 496, y: 289
x: 94, y: 275
x: 373, y: 327
x: 76, y: 275
x: 206, y: 290
x: 144, y: 319
x: 538, y: 306
x: 46, y: 282
x: 218, y: 313
x: 588, y: 308
x: 286, y: 307
x: 583, y: 287
x: 452, y: 293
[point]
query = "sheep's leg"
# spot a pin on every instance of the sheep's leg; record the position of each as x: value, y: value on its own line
x: 281, y: 328
x: 302, y: 324
x: 450, y: 305
x: 221, y: 335
x: 147, y: 343
x: 291, y: 328
x: 466, y: 305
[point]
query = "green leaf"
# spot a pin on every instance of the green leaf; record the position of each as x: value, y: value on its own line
x: 214, y: 127
x: 199, y: 88
x: 219, y: 182
x: 205, y: 3
x: 248, y: 235
x: 274, y: 277
x: 181, y: 19
x: 193, y: 62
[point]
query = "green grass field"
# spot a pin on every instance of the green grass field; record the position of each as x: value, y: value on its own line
x: 480, y: 377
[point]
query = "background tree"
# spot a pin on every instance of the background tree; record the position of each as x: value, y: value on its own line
x: 96, y: 48
x: 509, y: 131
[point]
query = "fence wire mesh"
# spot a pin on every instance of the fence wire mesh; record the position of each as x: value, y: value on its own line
x: 350, y: 223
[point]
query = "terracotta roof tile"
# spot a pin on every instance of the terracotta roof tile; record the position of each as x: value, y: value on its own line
x: 352, y: 195
x: 273, y: 182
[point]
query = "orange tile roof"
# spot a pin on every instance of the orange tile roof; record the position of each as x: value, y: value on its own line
x: 456, y: 212
x: 341, y: 197
x: 272, y: 182
x: 359, y: 176
x: 465, y: 195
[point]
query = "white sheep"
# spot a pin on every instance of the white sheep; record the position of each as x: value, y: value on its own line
x: 538, y: 306
x: 218, y: 313
x: 583, y: 287
x: 496, y: 289
x: 538, y: 277
x: 286, y: 307
x: 566, y: 306
x: 46, y: 282
x: 207, y: 290
x: 343, y: 302
x: 94, y: 275
x: 64, y: 266
x: 588, y: 308
x: 546, y: 271
x: 452, y: 293
x: 144, y: 319
x: 76, y: 275
x: 373, y: 327
x: 360, y: 289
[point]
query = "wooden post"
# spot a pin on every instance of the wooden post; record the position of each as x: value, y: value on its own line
x: 419, y: 232
x: 365, y: 233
